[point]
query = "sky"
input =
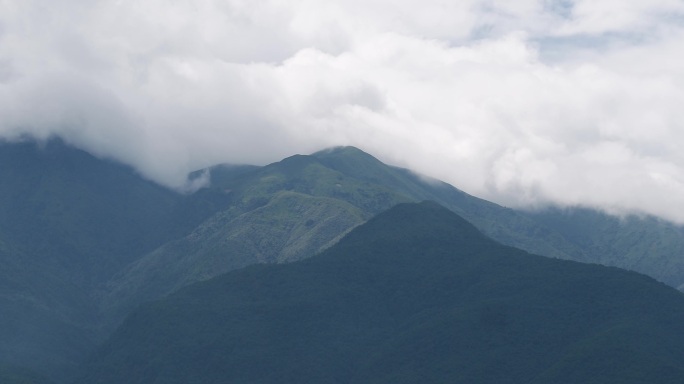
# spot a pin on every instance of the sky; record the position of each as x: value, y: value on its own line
x: 526, y: 103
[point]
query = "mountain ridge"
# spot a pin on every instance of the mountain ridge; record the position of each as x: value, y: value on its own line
x: 83, y: 240
x: 256, y: 196
x: 68, y: 221
x: 414, y: 294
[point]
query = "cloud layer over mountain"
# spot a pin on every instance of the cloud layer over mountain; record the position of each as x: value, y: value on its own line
x: 525, y: 103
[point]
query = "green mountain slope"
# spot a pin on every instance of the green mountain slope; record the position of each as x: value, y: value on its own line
x: 299, y: 206
x: 505, y: 225
x: 289, y: 227
x: 416, y: 294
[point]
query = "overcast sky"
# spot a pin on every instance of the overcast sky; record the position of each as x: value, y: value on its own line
x: 525, y: 102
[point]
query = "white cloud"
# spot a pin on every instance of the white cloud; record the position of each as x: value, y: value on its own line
x: 525, y: 103
x: 614, y: 16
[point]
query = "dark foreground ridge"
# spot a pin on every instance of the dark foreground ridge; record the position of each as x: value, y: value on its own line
x: 415, y: 295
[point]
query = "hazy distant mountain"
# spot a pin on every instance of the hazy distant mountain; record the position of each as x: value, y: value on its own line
x: 644, y: 244
x: 68, y: 222
x: 416, y: 294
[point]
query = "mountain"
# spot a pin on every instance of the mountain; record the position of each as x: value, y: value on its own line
x: 83, y: 240
x: 17, y: 375
x: 416, y: 294
x: 299, y: 206
x: 68, y: 223
x: 640, y: 243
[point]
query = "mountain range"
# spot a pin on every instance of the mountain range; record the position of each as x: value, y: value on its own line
x: 416, y: 294
x: 85, y: 241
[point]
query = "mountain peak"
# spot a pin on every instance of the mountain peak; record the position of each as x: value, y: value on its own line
x: 424, y: 220
x: 339, y: 150
x: 399, y: 234
x: 345, y: 152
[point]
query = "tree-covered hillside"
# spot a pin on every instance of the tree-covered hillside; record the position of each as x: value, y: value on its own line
x: 416, y: 294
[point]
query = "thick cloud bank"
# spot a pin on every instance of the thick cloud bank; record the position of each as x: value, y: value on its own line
x: 525, y: 103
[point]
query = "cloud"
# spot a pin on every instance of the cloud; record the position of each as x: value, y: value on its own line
x: 528, y: 103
